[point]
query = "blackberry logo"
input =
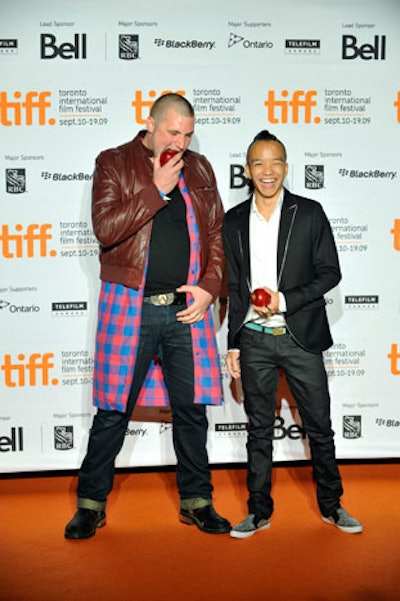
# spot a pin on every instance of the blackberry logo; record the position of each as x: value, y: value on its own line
x: 15, y: 181
x: 352, y: 426
x: 314, y: 177
x: 63, y: 438
x: 128, y: 46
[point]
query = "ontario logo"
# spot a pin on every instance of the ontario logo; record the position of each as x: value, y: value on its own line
x: 235, y: 40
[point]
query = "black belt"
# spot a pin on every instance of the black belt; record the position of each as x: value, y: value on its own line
x: 166, y: 298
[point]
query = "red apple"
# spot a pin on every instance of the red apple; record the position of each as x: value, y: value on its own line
x: 260, y: 297
x: 167, y: 155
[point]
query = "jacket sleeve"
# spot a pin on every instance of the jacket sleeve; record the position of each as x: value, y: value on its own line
x: 234, y: 297
x: 317, y: 265
x: 117, y: 210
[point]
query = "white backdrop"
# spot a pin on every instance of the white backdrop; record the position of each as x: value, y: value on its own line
x: 77, y: 78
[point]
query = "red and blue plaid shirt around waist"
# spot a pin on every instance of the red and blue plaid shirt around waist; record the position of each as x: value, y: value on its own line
x: 117, y: 338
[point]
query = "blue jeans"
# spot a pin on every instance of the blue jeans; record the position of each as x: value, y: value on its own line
x: 162, y: 335
x: 261, y: 357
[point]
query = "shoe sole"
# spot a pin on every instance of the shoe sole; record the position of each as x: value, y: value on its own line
x: 237, y: 534
x: 347, y: 529
x: 193, y: 522
x: 99, y: 524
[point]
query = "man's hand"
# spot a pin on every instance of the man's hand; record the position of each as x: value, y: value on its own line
x: 166, y: 177
x: 233, y: 363
x: 196, y: 310
x: 273, y: 306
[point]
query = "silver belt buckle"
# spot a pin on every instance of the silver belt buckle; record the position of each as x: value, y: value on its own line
x: 161, y: 300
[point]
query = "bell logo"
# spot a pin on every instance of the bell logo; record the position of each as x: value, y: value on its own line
x: 238, y: 178
x: 66, y: 51
x: 33, y: 370
x: 367, y: 52
x: 394, y: 357
x: 14, y: 442
x: 294, y: 109
x: 27, y: 243
x: 28, y: 110
x: 139, y: 103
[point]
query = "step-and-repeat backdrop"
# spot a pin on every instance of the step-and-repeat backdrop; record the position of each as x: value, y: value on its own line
x: 79, y: 77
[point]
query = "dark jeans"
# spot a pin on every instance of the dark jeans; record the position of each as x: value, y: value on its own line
x: 261, y: 356
x: 163, y: 335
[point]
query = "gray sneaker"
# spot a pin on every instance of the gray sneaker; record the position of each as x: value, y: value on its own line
x: 345, y: 522
x: 248, y: 527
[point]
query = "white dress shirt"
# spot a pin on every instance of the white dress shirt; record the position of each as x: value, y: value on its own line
x: 263, y: 260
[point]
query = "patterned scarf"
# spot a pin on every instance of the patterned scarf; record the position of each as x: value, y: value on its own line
x: 117, y: 339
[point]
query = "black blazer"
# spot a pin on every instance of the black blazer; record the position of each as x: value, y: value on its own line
x: 308, y: 267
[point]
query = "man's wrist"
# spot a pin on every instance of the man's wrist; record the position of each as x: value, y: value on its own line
x: 163, y: 196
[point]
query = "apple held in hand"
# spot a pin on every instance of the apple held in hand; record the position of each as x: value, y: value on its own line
x: 260, y: 297
x: 167, y: 155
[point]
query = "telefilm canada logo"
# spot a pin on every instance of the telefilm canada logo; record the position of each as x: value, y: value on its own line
x: 15, y: 180
x: 128, y: 46
x: 361, y: 301
x: 69, y: 309
x: 352, y: 426
x: 302, y: 46
x: 231, y: 429
x: 314, y: 177
x: 63, y: 438
x: 9, y: 46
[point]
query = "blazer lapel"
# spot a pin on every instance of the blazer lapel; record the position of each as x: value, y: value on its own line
x: 243, y: 238
x: 288, y: 215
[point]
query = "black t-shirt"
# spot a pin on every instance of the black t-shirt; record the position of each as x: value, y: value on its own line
x: 169, y: 247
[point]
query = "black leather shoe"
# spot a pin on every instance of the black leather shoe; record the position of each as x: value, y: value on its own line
x: 205, y: 518
x: 84, y: 523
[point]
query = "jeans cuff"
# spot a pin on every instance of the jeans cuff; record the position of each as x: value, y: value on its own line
x: 90, y: 504
x: 195, y: 503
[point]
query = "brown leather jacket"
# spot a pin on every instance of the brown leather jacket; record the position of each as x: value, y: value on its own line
x: 125, y: 200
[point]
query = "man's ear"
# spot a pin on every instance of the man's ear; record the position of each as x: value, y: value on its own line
x: 150, y: 124
x: 247, y: 171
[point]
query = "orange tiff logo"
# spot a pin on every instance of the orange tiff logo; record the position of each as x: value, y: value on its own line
x: 396, y: 103
x: 33, y: 370
x: 396, y: 234
x: 292, y: 108
x: 394, y: 357
x: 28, y: 243
x: 30, y: 109
x: 139, y: 103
